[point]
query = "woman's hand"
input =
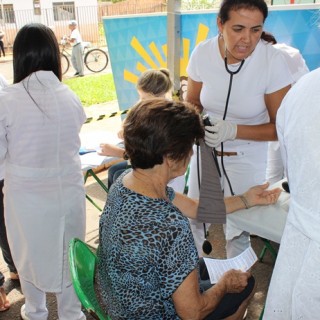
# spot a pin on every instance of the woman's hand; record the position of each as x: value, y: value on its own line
x: 259, y: 195
x: 120, y: 134
x: 219, y: 131
x: 110, y: 150
x: 235, y: 280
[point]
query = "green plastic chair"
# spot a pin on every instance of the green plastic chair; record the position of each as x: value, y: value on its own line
x: 82, y: 262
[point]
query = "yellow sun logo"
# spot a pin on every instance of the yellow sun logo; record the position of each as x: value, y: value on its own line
x: 157, y: 61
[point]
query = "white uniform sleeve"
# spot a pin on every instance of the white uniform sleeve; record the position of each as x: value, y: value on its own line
x: 279, y: 73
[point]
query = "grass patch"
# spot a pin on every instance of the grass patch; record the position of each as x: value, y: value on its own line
x: 93, y: 89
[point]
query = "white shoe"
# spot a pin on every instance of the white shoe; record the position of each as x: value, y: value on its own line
x: 23, y: 313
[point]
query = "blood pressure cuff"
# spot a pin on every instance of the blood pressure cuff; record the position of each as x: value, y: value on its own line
x: 211, y: 207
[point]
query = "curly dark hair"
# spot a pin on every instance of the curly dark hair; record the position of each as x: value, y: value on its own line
x: 156, y: 128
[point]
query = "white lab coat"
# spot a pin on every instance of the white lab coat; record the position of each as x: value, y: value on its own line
x: 294, y: 288
x: 44, y: 190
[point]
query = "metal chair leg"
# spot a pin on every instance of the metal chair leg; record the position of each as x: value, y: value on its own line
x: 267, y: 246
x: 88, y: 173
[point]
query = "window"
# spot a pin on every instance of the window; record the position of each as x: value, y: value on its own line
x: 8, y: 14
x: 63, y: 11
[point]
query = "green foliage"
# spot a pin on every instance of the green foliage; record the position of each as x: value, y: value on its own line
x: 93, y: 89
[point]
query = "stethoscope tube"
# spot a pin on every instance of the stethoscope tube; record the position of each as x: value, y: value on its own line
x: 231, y: 73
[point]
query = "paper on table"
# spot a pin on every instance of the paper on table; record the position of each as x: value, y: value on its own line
x: 217, y: 267
x: 92, y: 140
x: 93, y: 159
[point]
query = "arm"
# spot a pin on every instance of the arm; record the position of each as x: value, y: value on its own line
x: 70, y: 39
x: 255, y: 196
x: 73, y: 36
x: 191, y: 304
x: 267, y: 131
x: 193, y: 93
x: 111, y: 150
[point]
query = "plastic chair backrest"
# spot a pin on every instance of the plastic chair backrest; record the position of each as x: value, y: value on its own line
x: 186, y: 182
x: 82, y: 262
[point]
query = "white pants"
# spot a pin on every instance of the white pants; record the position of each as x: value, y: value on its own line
x: 77, y: 58
x: 245, y: 170
x: 69, y: 306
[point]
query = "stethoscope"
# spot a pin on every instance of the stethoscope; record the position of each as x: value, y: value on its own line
x: 207, y: 247
x: 231, y: 73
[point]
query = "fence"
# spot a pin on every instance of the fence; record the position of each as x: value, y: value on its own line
x: 89, y: 19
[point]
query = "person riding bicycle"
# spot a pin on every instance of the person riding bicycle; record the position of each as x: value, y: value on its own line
x: 77, y: 48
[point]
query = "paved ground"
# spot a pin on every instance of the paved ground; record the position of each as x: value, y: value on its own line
x: 261, y: 271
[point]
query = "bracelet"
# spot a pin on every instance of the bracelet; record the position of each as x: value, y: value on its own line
x: 244, y: 200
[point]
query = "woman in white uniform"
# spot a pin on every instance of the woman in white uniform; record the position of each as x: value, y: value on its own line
x: 294, y: 289
x: 44, y: 197
x: 239, y: 80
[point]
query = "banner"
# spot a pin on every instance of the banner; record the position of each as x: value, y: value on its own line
x: 137, y: 43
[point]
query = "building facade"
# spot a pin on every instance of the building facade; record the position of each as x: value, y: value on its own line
x: 55, y: 14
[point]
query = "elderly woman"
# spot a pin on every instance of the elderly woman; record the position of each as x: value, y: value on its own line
x: 148, y: 262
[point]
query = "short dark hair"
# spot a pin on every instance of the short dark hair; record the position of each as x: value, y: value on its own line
x: 158, y: 127
x: 229, y: 5
x: 35, y: 48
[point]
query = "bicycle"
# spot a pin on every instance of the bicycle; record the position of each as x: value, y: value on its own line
x: 95, y: 59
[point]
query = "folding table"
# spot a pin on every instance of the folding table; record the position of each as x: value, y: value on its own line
x: 266, y: 222
x: 92, y: 160
x: 89, y: 162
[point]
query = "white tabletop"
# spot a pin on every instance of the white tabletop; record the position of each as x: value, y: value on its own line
x: 92, y: 140
x: 93, y: 160
x: 265, y: 221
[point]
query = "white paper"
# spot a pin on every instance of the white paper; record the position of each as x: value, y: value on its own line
x: 93, y: 160
x: 92, y: 140
x: 217, y: 267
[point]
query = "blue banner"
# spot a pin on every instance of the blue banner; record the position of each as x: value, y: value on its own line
x: 137, y: 43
